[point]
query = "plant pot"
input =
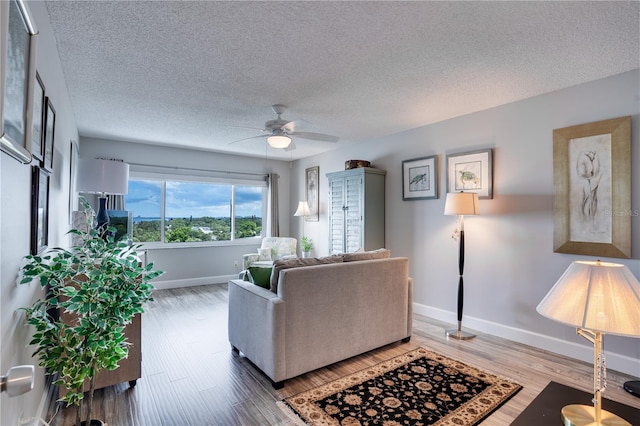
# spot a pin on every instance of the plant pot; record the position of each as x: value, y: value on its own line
x: 306, y: 254
x: 93, y: 422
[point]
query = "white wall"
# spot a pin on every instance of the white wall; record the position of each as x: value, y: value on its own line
x: 15, y: 224
x: 510, y: 264
x: 202, y: 265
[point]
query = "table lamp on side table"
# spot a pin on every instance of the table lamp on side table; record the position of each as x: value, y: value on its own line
x: 596, y: 298
x: 102, y: 177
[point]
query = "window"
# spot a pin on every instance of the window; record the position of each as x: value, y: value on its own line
x: 144, y: 200
x: 184, y: 211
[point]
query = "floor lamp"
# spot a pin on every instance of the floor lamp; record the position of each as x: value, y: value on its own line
x: 303, y: 210
x: 461, y: 203
x: 596, y: 298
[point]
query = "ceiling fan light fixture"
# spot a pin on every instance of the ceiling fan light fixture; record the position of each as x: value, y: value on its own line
x: 279, y: 141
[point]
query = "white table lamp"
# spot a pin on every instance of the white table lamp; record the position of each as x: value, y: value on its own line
x: 102, y: 177
x: 303, y: 210
x: 596, y: 298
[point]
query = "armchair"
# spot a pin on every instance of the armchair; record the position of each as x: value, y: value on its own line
x: 271, y: 249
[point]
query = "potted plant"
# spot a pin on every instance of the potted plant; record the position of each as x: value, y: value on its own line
x: 100, y: 285
x: 307, y: 245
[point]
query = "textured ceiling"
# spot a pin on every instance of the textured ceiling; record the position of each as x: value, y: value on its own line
x: 203, y: 74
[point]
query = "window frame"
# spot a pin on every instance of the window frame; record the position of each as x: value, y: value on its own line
x: 163, y: 178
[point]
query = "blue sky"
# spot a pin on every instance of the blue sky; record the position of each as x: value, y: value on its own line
x: 196, y: 199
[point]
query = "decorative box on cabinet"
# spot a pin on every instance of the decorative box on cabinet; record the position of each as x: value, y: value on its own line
x: 356, y: 210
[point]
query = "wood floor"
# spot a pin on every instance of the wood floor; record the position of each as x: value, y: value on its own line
x: 191, y: 376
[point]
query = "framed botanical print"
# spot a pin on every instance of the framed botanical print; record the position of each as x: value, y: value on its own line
x: 312, y: 183
x: 471, y: 172
x: 592, y: 188
x: 420, y: 178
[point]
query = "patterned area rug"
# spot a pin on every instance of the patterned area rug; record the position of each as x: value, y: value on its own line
x: 419, y: 387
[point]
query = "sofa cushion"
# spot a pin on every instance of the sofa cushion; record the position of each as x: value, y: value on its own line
x: 264, y: 254
x: 279, y: 265
x: 382, y: 253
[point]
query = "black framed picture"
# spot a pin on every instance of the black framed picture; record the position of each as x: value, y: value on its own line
x: 49, y: 133
x: 37, y: 146
x: 39, y: 210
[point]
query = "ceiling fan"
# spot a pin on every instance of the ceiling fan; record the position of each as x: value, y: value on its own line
x: 279, y: 132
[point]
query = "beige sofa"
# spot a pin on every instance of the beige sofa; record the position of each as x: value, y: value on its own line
x: 320, y: 315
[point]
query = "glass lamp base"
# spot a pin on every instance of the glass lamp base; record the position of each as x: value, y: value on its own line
x: 459, y: 334
x: 585, y: 415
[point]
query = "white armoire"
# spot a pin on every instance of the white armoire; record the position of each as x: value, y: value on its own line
x: 356, y: 210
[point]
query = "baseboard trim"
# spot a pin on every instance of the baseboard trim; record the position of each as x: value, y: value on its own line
x: 617, y: 362
x: 192, y: 282
x: 46, y: 400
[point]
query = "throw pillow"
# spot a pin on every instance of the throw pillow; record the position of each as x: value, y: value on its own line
x: 382, y: 253
x: 259, y: 276
x: 279, y: 265
x: 264, y: 254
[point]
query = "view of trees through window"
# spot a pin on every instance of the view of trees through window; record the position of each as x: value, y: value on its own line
x: 194, y: 211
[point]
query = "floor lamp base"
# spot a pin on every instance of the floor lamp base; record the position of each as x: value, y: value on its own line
x: 459, y: 334
x: 584, y: 415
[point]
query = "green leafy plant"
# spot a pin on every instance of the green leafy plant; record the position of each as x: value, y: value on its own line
x: 306, y: 243
x: 98, y: 286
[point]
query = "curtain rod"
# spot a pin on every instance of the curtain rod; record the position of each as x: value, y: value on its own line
x: 200, y: 170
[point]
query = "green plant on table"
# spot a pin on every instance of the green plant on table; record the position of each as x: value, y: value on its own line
x: 101, y: 286
x: 306, y: 243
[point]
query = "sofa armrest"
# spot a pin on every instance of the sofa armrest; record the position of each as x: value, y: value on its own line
x: 257, y: 326
x: 410, y: 308
x: 248, y: 259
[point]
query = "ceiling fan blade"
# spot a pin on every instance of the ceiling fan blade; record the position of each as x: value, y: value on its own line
x: 290, y: 127
x: 246, y: 139
x: 315, y: 136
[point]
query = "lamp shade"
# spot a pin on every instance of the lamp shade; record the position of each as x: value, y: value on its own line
x: 303, y: 209
x: 102, y: 176
x: 461, y: 203
x: 279, y: 141
x: 597, y: 296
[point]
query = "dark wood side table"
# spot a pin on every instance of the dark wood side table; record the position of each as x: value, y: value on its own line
x: 633, y: 387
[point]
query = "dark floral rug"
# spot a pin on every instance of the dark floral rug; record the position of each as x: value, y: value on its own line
x: 419, y: 387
